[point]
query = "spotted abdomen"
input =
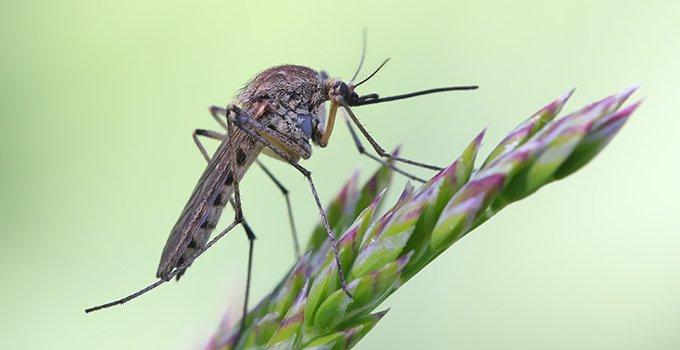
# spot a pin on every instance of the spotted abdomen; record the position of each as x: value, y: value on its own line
x: 202, y: 213
x: 208, y: 224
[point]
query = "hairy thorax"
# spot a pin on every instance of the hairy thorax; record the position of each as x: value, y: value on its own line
x: 287, y: 86
x: 287, y: 99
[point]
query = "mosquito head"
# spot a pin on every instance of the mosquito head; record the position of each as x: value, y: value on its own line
x: 342, y: 93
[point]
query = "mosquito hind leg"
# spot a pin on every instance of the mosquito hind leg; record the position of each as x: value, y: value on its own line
x: 164, y: 279
x: 284, y: 191
x: 179, y: 270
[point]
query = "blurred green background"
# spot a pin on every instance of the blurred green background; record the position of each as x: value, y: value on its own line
x: 98, y: 100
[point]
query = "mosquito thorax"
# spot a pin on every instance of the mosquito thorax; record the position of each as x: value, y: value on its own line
x: 293, y: 96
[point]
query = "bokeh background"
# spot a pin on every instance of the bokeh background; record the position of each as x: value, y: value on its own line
x: 98, y: 100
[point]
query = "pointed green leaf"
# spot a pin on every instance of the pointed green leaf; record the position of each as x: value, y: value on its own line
x: 290, y: 327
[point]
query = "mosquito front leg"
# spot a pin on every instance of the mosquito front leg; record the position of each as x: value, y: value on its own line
x: 362, y: 151
x: 380, y: 150
x: 254, y: 130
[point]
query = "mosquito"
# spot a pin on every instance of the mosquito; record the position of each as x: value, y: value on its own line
x: 277, y: 114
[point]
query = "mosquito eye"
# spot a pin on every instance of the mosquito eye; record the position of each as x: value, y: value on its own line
x: 306, y: 125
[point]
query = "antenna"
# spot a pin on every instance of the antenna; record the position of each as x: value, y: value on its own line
x: 374, y: 72
x: 364, y: 39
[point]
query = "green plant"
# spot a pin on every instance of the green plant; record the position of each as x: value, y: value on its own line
x: 308, y: 310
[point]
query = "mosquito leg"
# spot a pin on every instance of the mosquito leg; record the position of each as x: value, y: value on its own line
x: 216, y: 113
x: 254, y: 130
x: 236, y: 203
x: 380, y: 150
x: 167, y: 278
x: 284, y: 191
x: 209, y: 134
x: 362, y: 150
x: 251, y: 245
x: 239, y: 212
x: 237, y: 209
x: 179, y: 270
x: 219, y: 136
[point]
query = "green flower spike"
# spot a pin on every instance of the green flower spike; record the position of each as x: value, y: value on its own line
x: 380, y: 253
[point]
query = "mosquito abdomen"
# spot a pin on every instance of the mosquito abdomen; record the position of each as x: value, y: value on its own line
x: 202, y: 234
x: 206, y: 211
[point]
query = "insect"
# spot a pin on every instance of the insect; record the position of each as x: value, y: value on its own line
x: 279, y: 113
